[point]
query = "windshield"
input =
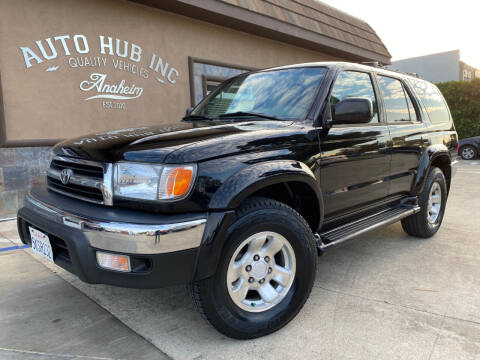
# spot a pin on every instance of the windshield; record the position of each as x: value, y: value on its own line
x: 282, y: 94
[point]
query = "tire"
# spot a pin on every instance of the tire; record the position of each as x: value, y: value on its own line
x: 424, y: 224
x: 256, y: 218
x: 468, y: 152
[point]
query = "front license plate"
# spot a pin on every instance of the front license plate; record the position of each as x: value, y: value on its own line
x: 41, y: 244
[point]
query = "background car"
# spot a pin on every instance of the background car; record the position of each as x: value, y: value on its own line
x: 469, y: 148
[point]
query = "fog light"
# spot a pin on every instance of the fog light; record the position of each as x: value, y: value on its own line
x: 113, y: 262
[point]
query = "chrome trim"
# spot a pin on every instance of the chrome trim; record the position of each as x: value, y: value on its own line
x: 125, y: 237
x: 105, y: 185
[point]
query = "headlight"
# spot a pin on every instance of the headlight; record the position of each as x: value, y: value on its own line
x: 153, y: 182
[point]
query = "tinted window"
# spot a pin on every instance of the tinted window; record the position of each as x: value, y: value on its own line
x: 354, y: 84
x: 396, y: 105
x: 286, y: 94
x: 432, y: 100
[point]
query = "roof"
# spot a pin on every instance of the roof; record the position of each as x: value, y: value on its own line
x: 306, y: 23
x: 351, y: 66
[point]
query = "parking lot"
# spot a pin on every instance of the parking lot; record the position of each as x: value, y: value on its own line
x: 384, y: 295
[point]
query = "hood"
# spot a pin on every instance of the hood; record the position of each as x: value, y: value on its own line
x: 179, y: 143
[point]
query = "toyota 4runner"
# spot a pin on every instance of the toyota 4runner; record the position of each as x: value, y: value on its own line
x: 272, y: 168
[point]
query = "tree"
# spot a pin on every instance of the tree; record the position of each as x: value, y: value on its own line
x: 463, y: 99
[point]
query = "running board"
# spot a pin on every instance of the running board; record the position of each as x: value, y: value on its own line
x: 350, y: 230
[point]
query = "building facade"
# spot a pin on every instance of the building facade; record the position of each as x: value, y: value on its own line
x: 69, y: 68
x: 440, y: 67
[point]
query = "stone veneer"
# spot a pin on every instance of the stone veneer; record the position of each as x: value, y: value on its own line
x: 19, y: 169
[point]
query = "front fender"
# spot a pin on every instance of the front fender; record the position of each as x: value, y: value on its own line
x: 432, y: 153
x: 255, y: 177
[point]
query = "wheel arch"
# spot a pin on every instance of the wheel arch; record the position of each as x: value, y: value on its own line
x: 434, y: 156
x: 288, y: 181
x: 262, y: 179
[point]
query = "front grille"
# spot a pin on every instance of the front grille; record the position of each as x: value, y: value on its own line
x: 88, y: 193
x: 80, y: 169
x: 85, y: 182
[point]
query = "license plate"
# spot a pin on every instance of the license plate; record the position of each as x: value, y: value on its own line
x: 41, y: 244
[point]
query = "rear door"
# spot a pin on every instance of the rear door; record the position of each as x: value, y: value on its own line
x: 407, y: 131
x: 354, y: 157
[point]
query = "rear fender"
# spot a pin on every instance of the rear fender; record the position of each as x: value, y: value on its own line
x: 431, y: 154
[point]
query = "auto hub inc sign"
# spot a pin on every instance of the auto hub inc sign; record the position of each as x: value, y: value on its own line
x: 101, y: 57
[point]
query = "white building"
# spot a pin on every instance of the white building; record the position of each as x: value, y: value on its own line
x: 440, y: 67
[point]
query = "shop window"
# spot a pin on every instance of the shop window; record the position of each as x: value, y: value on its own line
x: 205, y: 75
x: 209, y: 83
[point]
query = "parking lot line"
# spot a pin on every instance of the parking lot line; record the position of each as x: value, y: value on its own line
x: 14, y: 248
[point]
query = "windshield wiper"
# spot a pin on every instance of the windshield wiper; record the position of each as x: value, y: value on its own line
x: 250, y: 114
x: 196, y: 117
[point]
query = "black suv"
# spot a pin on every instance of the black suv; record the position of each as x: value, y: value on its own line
x: 236, y: 200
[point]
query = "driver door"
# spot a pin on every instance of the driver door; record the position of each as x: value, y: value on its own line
x: 355, y: 159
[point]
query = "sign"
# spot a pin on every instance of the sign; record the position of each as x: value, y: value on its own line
x: 100, y: 56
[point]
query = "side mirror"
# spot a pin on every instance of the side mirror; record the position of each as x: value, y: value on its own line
x: 353, y: 111
x: 189, y: 111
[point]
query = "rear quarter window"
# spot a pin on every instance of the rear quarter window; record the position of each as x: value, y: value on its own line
x: 432, y: 100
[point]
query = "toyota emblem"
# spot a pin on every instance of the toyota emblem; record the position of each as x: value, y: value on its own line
x: 65, y: 176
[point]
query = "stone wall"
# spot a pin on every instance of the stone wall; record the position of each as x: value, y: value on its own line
x: 19, y: 169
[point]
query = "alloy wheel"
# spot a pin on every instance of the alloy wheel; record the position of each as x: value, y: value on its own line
x: 434, y: 203
x: 468, y: 153
x: 261, y: 271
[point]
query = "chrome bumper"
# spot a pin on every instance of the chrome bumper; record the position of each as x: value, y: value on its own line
x: 126, y: 237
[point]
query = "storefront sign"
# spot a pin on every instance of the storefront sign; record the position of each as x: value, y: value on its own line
x: 101, y: 56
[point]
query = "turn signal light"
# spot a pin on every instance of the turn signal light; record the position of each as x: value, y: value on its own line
x: 176, y: 182
x: 113, y: 261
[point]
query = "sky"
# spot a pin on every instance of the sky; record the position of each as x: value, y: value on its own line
x: 412, y: 28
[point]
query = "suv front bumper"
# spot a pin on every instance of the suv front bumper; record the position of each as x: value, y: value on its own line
x: 163, y: 249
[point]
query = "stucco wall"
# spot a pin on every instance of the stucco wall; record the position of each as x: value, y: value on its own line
x: 45, y: 100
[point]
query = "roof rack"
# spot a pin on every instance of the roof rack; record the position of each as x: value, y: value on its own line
x: 378, y: 65
x: 371, y: 63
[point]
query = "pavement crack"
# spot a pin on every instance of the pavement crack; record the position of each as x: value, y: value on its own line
x: 437, y: 337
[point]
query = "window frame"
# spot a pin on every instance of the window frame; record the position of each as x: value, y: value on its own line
x: 375, y: 93
x: 207, y: 78
x: 407, y: 92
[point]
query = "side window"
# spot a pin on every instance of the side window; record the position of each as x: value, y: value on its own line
x: 432, y: 100
x: 411, y: 108
x: 354, y: 84
x: 396, y: 104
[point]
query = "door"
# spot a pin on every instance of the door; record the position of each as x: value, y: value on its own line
x: 407, y: 133
x: 354, y: 158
